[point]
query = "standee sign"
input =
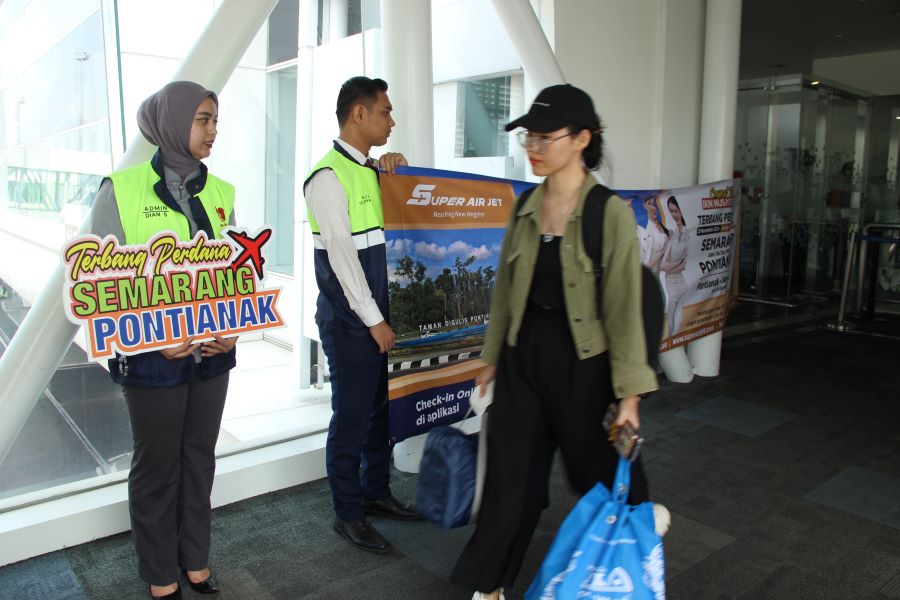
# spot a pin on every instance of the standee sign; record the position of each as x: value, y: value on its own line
x: 157, y: 295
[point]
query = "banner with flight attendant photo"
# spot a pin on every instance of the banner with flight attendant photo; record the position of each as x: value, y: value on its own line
x: 443, y: 234
x: 689, y: 238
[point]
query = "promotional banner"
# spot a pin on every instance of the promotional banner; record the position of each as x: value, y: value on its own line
x: 143, y: 297
x: 443, y: 233
x: 689, y: 239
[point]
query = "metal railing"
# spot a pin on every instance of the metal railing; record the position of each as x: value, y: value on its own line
x: 869, y: 248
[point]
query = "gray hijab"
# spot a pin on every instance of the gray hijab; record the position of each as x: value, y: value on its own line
x: 166, y: 118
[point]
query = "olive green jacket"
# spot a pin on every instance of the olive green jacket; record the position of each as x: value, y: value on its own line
x: 619, y: 330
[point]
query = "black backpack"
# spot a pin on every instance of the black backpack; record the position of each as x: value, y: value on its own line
x: 652, y: 304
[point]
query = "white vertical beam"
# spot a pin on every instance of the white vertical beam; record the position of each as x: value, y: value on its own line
x: 406, y: 54
x: 4, y: 177
x: 113, y: 79
x: 303, y: 163
x: 720, y: 84
x: 717, y: 126
x: 45, y: 334
x: 407, y: 59
x: 337, y: 20
x: 527, y: 37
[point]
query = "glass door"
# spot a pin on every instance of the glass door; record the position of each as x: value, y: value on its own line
x: 751, y: 135
x: 801, y: 150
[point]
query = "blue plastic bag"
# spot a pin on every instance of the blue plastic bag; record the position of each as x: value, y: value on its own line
x: 447, y: 477
x: 604, y: 550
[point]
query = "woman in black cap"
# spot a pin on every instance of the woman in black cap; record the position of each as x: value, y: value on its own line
x: 175, y: 396
x: 558, y: 365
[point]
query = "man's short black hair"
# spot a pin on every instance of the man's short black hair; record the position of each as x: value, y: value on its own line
x: 357, y: 90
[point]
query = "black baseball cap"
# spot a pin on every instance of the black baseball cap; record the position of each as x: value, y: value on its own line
x: 556, y: 107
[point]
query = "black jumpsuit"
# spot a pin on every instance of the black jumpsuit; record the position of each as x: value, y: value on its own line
x: 544, y: 398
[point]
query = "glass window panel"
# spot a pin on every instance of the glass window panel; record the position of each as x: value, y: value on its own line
x: 281, y: 130
x: 54, y: 150
x: 65, y: 88
x: 484, y: 106
x: 78, y: 428
x: 283, y: 31
x: 55, y: 145
x: 339, y: 19
x: 882, y: 197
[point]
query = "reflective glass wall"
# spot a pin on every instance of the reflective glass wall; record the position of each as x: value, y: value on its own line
x: 56, y: 144
x: 882, y: 189
x: 801, y: 150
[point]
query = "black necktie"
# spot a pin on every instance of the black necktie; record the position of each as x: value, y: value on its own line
x: 372, y: 165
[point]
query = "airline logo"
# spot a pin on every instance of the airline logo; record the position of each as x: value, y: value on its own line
x: 422, y: 196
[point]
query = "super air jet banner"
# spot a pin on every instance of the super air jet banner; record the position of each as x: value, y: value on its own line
x: 137, y: 298
x: 443, y: 232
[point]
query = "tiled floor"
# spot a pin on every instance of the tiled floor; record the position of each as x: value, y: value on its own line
x: 737, y: 416
x: 862, y: 492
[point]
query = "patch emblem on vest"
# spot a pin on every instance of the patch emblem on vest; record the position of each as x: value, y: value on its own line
x: 365, y: 199
x: 221, y: 212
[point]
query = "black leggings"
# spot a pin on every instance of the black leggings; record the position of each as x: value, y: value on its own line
x: 544, y: 399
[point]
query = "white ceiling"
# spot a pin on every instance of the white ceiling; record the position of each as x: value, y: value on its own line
x: 792, y: 33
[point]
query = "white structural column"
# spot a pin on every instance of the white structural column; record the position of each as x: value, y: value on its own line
x: 524, y: 30
x: 717, y: 126
x: 680, y: 68
x: 45, y: 334
x: 337, y: 20
x: 303, y: 163
x: 406, y: 56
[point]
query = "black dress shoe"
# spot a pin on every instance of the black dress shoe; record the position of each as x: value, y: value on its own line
x: 362, y: 535
x: 392, y: 508
x: 176, y: 595
x: 208, y: 586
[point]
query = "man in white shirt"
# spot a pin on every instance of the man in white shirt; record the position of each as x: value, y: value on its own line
x: 344, y: 207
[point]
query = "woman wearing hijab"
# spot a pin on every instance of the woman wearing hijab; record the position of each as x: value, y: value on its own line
x: 175, y: 396
x: 557, y: 361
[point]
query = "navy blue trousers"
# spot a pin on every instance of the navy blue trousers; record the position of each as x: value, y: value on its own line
x: 357, y: 454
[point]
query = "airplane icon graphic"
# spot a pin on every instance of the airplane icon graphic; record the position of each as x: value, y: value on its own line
x: 251, y: 249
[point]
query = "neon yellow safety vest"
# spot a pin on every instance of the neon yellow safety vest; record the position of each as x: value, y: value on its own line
x: 363, y: 194
x: 360, y: 185
x: 143, y: 214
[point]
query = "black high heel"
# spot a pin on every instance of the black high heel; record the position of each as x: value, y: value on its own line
x: 210, y: 585
x: 176, y: 595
